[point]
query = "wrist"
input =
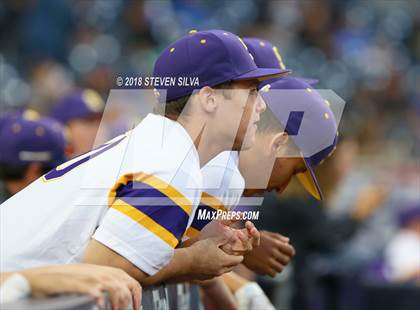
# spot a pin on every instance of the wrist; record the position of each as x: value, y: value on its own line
x: 14, y: 287
x: 187, y: 258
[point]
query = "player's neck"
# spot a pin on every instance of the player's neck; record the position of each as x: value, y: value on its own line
x: 206, y: 142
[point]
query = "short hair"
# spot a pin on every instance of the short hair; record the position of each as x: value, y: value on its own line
x: 173, y: 109
x: 269, y: 123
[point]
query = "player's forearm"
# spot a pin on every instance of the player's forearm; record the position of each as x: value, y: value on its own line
x: 178, y: 269
x: 98, y: 254
x: 216, y: 295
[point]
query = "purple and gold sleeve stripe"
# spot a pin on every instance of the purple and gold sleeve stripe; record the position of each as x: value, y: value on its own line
x: 146, y: 222
x: 209, y: 204
x: 162, y: 209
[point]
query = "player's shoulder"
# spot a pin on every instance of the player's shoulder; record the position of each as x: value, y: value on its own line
x: 223, y: 169
x: 222, y: 178
x: 160, y: 140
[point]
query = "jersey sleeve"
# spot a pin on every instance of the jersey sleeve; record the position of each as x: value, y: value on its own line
x: 223, y: 186
x: 208, y: 205
x: 151, y: 202
x: 146, y: 220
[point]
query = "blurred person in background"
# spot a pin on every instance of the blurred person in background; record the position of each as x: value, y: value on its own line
x: 49, y: 81
x: 30, y: 147
x: 402, y: 254
x: 366, y: 50
x: 81, y: 112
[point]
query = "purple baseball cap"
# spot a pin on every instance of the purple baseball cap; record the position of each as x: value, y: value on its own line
x: 213, y: 57
x: 266, y: 55
x: 308, y: 120
x: 78, y: 104
x: 26, y: 139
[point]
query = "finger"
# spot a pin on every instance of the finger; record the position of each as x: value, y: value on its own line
x: 226, y: 270
x: 240, y: 249
x: 116, y: 295
x: 278, y: 236
x: 135, y: 290
x: 249, y: 225
x: 285, y: 249
x: 256, y: 236
x: 242, y: 235
x: 243, y: 246
x: 272, y: 273
x: 97, y: 293
x: 280, y: 257
x: 133, y: 287
x: 126, y: 297
x: 231, y: 260
x: 276, y: 266
x: 283, y: 238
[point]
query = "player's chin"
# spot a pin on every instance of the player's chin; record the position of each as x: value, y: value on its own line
x: 249, y: 140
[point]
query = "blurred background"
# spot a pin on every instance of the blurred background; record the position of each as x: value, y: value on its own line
x: 360, y: 248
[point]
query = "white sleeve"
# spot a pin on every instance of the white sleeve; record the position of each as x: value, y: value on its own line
x: 146, y: 220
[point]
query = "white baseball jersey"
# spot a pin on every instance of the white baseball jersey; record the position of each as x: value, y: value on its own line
x: 223, y: 186
x: 135, y: 194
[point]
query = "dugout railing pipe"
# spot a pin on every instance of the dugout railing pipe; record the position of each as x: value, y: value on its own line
x: 183, y: 296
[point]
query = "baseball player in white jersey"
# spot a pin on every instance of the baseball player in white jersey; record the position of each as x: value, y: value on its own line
x: 224, y: 184
x: 71, y: 201
x: 129, y: 202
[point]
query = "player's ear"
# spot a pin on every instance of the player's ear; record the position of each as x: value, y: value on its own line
x: 278, y: 141
x: 207, y: 100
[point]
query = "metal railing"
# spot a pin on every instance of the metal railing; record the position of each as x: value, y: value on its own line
x: 164, y: 297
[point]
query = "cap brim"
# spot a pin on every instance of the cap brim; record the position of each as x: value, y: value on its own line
x: 262, y: 74
x: 309, y: 182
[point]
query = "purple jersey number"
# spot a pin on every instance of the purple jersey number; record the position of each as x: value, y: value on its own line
x: 57, y: 172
